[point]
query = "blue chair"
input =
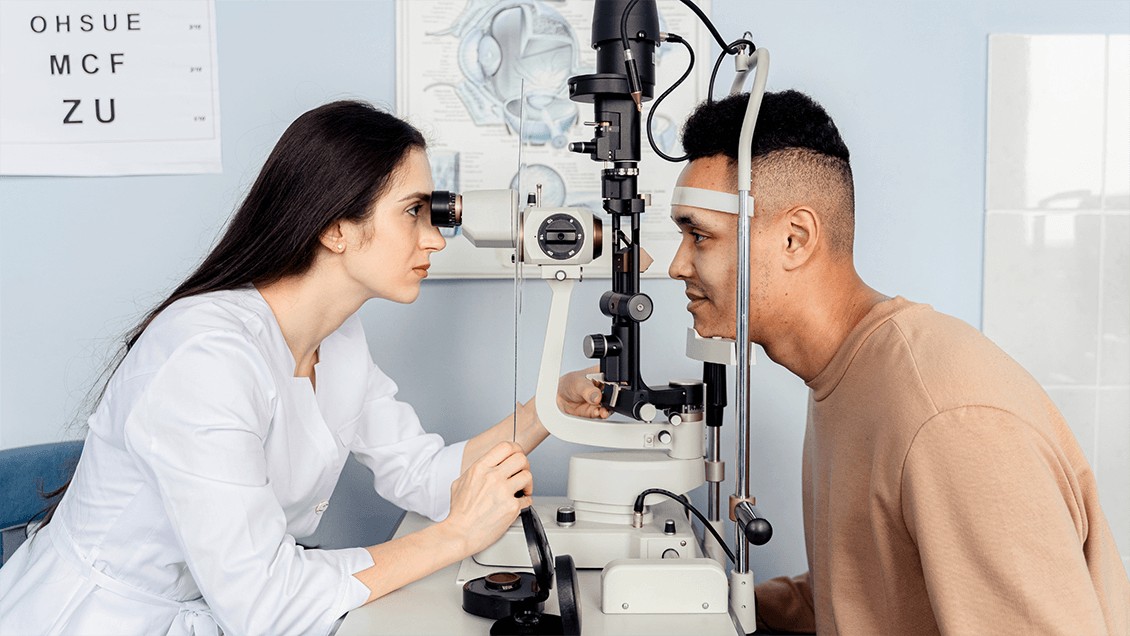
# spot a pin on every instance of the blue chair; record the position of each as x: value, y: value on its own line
x: 24, y: 473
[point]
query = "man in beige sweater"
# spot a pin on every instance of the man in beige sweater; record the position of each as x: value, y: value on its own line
x: 943, y: 491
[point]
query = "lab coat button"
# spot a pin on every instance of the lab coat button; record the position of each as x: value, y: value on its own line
x: 321, y: 507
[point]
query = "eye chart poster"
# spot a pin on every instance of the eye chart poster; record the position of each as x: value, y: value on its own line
x: 108, y: 87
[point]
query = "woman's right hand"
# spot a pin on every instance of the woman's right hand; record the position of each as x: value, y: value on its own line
x: 483, y: 500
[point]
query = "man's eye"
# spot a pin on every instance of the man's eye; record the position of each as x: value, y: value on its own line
x: 414, y: 210
x: 698, y: 238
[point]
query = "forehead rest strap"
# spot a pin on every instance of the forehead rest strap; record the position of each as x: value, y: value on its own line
x: 707, y: 200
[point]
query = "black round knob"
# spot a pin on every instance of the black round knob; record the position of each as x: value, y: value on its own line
x: 637, y: 307
x: 594, y: 346
x: 759, y: 531
x: 582, y: 147
x: 600, y: 346
x: 669, y: 526
x: 566, y: 516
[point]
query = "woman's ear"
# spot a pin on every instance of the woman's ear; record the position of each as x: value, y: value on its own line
x: 803, y: 236
x: 333, y: 238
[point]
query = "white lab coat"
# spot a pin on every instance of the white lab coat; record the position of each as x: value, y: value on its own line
x: 204, y: 461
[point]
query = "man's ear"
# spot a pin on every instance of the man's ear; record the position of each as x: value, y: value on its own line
x: 803, y: 234
x: 333, y: 238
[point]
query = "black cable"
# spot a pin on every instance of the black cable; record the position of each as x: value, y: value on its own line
x: 671, y: 37
x: 710, y: 26
x: 701, y: 16
x: 718, y: 63
x: 683, y: 500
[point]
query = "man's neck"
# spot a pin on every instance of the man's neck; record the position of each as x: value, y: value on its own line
x: 818, y: 322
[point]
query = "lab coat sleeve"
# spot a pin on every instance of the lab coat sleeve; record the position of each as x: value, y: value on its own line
x: 198, y: 432
x: 785, y: 603
x: 999, y: 531
x: 411, y: 468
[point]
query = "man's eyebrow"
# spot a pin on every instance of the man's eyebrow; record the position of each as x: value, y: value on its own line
x: 685, y: 219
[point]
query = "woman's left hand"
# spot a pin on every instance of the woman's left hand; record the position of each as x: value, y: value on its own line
x: 577, y: 395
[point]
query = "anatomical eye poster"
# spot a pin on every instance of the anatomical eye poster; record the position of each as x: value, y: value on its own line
x: 108, y: 88
x: 488, y: 83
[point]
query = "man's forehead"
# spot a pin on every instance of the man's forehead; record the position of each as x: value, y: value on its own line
x: 710, y: 173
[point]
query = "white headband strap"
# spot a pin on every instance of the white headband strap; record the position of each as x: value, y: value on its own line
x: 707, y: 200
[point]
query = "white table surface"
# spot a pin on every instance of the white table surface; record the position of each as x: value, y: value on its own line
x: 432, y: 606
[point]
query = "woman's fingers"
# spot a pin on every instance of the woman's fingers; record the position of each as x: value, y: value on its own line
x: 521, y: 482
x: 580, y: 396
x: 487, y: 498
x: 499, y: 453
x: 514, y: 464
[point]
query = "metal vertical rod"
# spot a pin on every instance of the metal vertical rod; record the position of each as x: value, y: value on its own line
x: 713, y: 488
x: 745, y: 187
x: 742, y: 333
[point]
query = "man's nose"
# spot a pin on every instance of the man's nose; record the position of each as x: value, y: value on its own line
x: 680, y: 265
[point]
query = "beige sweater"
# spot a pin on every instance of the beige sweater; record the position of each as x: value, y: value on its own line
x: 944, y: 493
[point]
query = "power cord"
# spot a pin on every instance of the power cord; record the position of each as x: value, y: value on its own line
x: 638, y: 508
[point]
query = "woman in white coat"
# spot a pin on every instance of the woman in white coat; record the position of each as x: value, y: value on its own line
x: 222, y: 432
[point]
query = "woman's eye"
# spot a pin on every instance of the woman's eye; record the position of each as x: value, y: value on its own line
x: 414, y: 210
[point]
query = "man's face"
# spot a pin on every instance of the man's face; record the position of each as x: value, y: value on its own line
x: 707, y: 257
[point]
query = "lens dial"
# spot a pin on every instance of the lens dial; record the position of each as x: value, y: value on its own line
x: 561, y: 236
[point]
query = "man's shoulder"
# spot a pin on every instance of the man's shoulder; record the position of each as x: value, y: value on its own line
x: 957, y: 365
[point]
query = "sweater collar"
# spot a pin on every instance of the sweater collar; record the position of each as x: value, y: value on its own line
x: 827, y: 380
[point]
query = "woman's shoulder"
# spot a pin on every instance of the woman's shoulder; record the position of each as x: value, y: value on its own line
x: 227, y: 310
x: 238, y: 315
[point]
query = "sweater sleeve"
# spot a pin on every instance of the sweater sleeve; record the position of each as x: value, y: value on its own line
x: 999, y: 527
x: 785, y: 604
x: 198, y: 433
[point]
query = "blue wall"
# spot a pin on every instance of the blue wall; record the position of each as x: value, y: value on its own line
x: 905, y: 81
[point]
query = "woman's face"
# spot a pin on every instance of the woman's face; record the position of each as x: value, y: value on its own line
x: 390, y: 254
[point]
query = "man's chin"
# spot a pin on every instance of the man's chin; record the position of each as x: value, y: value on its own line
x: 708, y: 331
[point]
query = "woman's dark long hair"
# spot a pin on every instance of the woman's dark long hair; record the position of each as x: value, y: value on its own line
x: 330, y: 165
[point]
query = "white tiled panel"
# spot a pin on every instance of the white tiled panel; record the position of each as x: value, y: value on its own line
x: 1115, y: 364
x: 1046, y: 120
x: 1042, y: 293
x: 1057, y: 236
x: 1112, y: 461
x: 1117, y: 185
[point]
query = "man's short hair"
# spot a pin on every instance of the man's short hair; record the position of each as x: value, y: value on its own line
x: 798, y: 156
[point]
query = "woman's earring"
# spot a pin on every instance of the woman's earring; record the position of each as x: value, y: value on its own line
x: 340, y: 247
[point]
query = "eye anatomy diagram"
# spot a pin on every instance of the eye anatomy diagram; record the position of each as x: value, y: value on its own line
x: 516, y: 57
x: 488, y: 83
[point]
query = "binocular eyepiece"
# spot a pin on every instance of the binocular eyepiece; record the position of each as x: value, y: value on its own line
x: 544, y: 235
x: 446, y: 209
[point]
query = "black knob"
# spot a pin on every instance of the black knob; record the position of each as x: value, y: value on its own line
x: 755, y: 527
x: 582, y: 147
x: 566, y: 516
x: 759, y: 531
x: 598, y: 346
x: 669, y: 526
x: 638, y: 307
x: 594, y: 346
